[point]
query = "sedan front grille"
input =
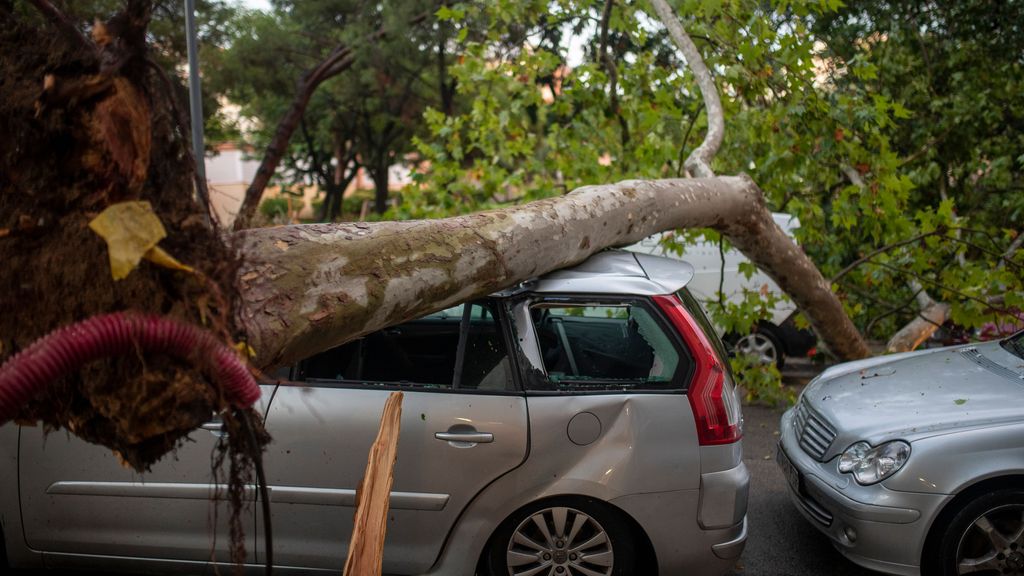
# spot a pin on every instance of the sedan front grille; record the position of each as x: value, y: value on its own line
x: 814, y: 434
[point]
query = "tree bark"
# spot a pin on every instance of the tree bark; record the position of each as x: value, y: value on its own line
x: 308, y: 288
x: 919, y: 329
x: 927, y: 321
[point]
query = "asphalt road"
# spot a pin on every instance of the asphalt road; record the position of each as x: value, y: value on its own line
x: 780, y: 541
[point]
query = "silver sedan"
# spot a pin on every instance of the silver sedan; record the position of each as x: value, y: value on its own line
x: 914, y: 463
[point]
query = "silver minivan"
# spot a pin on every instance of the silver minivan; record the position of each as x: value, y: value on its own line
x: 581, y: 424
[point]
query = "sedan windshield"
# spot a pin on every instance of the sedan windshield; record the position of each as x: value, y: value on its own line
x: 1015, y: 344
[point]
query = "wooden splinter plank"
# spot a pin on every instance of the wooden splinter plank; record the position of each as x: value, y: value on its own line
x: 366, y: 549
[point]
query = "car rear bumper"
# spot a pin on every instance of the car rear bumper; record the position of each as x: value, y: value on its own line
x: 687, y: 537
x: 887, y: 538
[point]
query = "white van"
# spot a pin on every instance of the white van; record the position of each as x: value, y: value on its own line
x: 772, y: 339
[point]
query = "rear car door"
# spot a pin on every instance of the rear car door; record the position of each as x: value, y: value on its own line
x: 79, y: 499
x: 464, y: 424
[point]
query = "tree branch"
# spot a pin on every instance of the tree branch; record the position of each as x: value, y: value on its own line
x: 988, y: 304
x: 686, y: 139
x: 1003, y: 259
x: 606, y: 60
x: 931, y: 314
x: 340, y: 59
x: 852, y: 265
x: 606, y: 14
x: 699, y: 162
x: 852, y: 175
x: 71, y: 31
x: 927, y: 321
x: 897, y: 308
x: 1014, y: 246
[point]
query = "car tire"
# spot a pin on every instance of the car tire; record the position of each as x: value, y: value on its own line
x: 985, y: 536
x: 594, y: 536
x: 764, y: 344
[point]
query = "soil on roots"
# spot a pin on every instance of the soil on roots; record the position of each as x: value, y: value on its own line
x: 76, y: 139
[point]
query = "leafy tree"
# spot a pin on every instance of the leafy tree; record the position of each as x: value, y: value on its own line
x: 810, y: 123
x: 362, y: 118
x: 951, y: 72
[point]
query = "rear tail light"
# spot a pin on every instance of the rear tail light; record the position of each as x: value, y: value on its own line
x: 712, y: 395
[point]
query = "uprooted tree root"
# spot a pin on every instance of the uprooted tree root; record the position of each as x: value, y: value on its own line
x: 243, y: 449
x: 88, y: 123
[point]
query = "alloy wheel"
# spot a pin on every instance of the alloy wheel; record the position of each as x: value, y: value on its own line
x: 760, y: 346
x: 560, y: 541
x: 993, y: 543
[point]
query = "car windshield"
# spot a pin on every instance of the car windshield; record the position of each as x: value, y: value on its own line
x: 1015, y: 344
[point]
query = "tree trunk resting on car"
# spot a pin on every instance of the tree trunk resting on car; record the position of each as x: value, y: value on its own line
x: 308, y: 288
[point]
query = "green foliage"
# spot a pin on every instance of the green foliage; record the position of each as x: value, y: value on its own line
x: 946, y: 83
x: 363, y: 117
x: 762, y: 383
x: 277, y: 207
x: 828, y: 107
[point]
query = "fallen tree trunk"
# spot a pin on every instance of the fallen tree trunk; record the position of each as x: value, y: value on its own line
x: 308, y: 288
x: 927, y: 321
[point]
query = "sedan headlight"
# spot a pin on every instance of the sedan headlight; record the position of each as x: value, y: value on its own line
x: 870, y: 465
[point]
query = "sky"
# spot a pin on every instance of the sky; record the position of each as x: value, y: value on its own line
x: 255, y: 4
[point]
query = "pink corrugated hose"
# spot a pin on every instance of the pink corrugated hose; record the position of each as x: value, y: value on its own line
x: 69, y: 348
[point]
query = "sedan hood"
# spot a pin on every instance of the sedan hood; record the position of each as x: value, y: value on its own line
x: 912, y: 396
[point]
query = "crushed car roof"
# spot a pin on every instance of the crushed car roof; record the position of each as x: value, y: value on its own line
x: 617, y: 272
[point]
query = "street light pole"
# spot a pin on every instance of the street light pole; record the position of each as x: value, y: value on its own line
x: 195, y: 102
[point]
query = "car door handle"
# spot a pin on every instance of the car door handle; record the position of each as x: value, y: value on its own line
x: 470, y: 437
x: 215, y: 427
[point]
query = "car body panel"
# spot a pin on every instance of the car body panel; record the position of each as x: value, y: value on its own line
x: 617, y: 272
x: 108, y: 508
x: 723, y: 497
x: 682, y: 547
x: 890, y: 525
x: 312, y: 484
x: 650, y: 472
x: 952, y: 462
x: 10, y: 507
x: 104, y: 508
x: 919, y: 395
x: 630, y: 455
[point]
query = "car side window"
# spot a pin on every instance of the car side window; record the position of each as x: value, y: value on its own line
x: 458, y: 348
x: 606, y: 346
